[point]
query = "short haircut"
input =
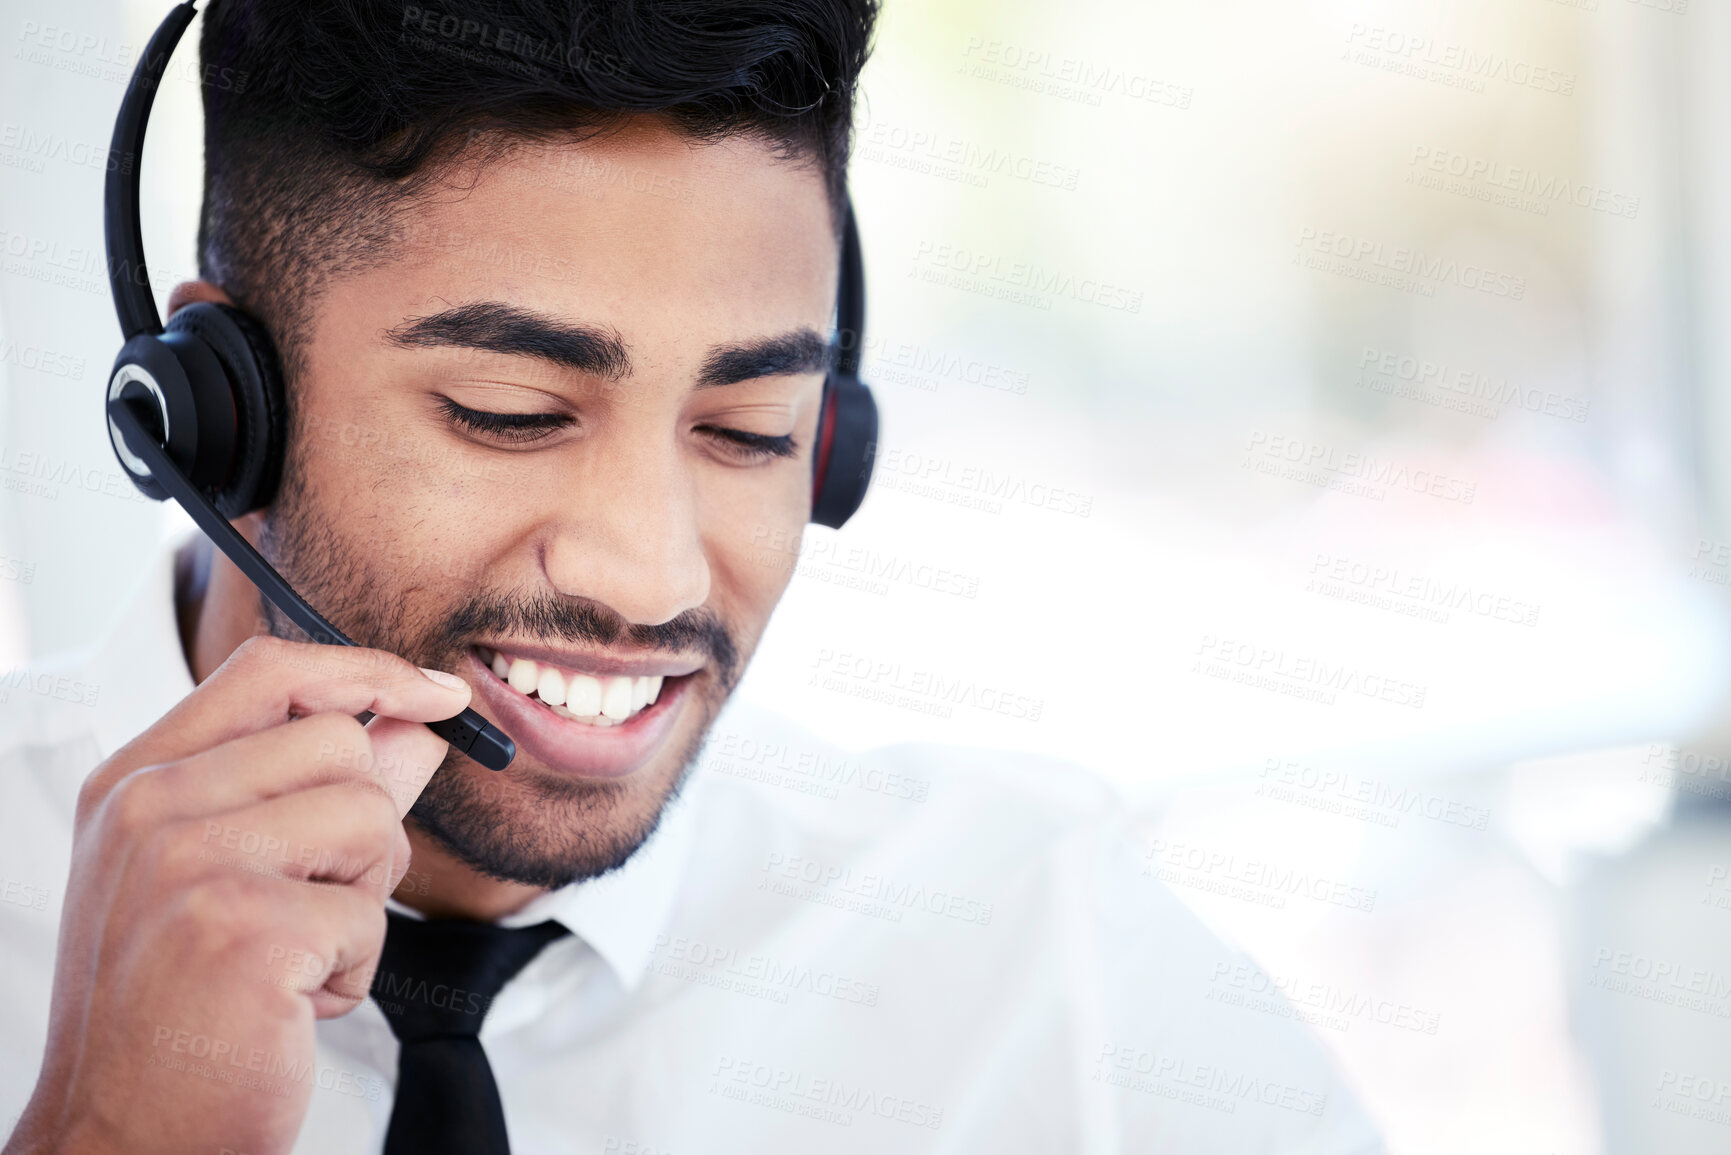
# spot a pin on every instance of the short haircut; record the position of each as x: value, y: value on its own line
x: 349, y: 109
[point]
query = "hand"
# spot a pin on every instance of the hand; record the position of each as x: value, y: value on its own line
x: 229, y: 874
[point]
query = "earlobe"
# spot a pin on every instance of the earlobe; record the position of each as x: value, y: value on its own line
x: 193, y: 292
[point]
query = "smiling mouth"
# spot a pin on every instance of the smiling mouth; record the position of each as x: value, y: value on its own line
x: 591, y: 699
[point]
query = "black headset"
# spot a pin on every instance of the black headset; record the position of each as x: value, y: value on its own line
x: 195, y: 412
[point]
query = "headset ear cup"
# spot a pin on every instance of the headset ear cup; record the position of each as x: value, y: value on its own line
x: 846, y: 451
x: 254, y: 373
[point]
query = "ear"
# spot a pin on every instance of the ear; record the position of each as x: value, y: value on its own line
x: 193, y: 292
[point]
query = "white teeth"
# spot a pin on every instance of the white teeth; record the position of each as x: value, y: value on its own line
x: 551, y: 687
x: 616, y: 698
x: 584, y: 695
x: 524, y: 675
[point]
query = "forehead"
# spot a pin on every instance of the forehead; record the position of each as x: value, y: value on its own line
x: 641, y: 229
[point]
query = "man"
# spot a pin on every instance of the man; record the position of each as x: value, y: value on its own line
x: 551, y: 283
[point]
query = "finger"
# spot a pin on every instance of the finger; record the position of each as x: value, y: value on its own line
x: 268, y: 681
x: 330, y: 834
x: 407, y: 755
x: 299, y: 755
x: 324, y: 942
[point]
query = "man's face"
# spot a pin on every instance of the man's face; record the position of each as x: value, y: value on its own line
x: 648, y: 314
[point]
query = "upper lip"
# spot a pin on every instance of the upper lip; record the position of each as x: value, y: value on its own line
x: 600, y: 662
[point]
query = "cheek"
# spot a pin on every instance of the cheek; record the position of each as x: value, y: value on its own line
x: 415, y: 515
x: 752, y: 538
x: 753, y: 527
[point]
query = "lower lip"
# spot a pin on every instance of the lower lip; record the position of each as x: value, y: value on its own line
x: 579, y: 749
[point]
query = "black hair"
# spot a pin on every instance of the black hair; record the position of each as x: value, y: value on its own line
x: 324, y: 119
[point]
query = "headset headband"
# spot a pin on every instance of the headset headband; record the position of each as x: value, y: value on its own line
x: 127, y: 276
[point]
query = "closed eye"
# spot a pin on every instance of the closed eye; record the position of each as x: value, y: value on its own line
x: 752, y: 446
x: 517, y: 428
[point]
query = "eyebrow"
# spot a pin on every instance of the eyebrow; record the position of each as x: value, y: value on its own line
x: 496, y: 327
x: 801, y: 351
x: 500, y: 328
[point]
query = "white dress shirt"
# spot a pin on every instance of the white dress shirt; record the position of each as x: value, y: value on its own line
x: 919, y: 949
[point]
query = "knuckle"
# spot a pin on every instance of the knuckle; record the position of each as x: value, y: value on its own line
x: 382, y: 670
x: 221, y: 913
x: 371, y: 924
x: 92, y: 791
x: 339, y: 738
x: 382, y: 821
x: 259, y: 651
x: 180, y: 854
x: 134, y: 804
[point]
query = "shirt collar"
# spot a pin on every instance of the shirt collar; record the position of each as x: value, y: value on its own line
x: 623, y: 912
x: 142, y: 673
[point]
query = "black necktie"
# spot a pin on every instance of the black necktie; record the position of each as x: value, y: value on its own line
x: 435, y: 983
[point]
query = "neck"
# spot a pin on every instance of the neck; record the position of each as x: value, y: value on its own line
x: 217, y: 609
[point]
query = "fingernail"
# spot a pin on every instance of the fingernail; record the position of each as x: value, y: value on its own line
x: 449, y: 681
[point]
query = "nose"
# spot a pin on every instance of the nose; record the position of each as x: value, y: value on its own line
x: 629, y: 536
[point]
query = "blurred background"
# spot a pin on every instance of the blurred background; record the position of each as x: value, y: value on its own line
x: 1306, y: 416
